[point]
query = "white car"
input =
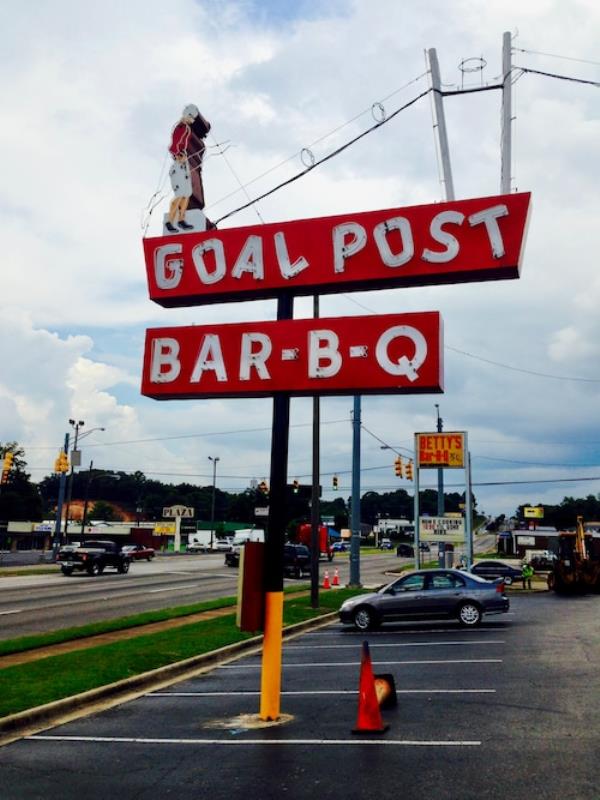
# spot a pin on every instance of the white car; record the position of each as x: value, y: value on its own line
x: 224, y: 544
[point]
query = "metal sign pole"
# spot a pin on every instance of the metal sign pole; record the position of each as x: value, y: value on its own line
x: 506, y: 135
x: 315, y: 515
x: 468, y: 506
x: 438, y: 102
x: 416, y: 507
x: 270, y: 687
x: 355, y: 511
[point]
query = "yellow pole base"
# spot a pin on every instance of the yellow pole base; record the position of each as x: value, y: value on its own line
x: 270, y: 681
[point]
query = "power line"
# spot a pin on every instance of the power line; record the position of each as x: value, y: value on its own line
x: 557, y: 76
x: 555, y: 55
x: 520, y: 369
x: 328, y: 157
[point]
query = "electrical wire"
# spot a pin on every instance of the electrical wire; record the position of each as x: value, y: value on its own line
x: 557, y: 76
x: 326, y: 158
x: 555, y: 55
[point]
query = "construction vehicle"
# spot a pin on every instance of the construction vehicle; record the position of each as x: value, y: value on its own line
x: 577, y: 568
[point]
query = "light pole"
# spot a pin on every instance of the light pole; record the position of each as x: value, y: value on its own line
x: 212, y: 505
x: 76, y: 425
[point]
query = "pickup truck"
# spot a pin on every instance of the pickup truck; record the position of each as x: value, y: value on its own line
x: 93, y: 557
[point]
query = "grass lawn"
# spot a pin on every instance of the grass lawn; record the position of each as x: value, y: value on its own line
x: 28, y: 685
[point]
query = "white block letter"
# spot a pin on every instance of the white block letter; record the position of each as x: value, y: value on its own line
x: 250, y: 259
x: 164, y: 353
x: 323, y: 346
x: 404, y: 365
x: 348, y: 239
x: 489, y: 217
x: 216, y: 245
x: 408, y: 247
x: 210, y: 357
x: 256, y: 359
x: 167, y: 271
x: 287, y: 269
x: 443, y: 237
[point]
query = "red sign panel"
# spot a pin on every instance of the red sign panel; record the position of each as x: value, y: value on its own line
x: 392, y: 353
x: 465, y: 240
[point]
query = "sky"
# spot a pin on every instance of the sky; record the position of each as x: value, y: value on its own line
x: 89, y: 95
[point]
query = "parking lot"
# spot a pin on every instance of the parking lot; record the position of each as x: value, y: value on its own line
x: 507, y: 709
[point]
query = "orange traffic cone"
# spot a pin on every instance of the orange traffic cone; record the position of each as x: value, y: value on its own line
x: 326, y: 583
x: 369, y: 716
x: 336, y: 579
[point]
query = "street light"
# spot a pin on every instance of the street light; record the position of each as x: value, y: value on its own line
x: 76, y: 424
x: 212, y: 506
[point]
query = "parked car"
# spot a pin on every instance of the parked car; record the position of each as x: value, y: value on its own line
x: 427, y: 594
x: 339, y: 547
x: 543, y: 562
x: 138, y: 551
x: 496, y: 569
x: 405, y: 551
x: 224, y: 544
x: 385, y: 544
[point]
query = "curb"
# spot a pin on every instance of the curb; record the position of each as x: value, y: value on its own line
x: 33, y: 720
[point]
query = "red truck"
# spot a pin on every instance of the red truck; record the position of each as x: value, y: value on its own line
x: 304, y: 536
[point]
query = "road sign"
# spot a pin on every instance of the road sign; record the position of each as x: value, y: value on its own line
x: 261, y: 512
x: 392, y: 353
x: 456, y: 242
x: 533, y: 512
x: 441, y: 449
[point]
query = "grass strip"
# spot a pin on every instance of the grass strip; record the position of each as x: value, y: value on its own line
x: 24, y: 643
x: 28, y: 685
x: 17, y: 572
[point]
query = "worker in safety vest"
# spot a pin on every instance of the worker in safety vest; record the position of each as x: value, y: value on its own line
x: 527, y: 574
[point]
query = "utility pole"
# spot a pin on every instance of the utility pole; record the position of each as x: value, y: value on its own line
x: 61, y: 498
x: 440, y: 123
x: 506, y: 114
x: 74, y: 457
x: 85, y: 502
x: 440, y: 496
x: 212, y: 505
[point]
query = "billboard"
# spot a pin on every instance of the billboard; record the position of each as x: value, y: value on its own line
x: 455, y: 242
x: 533, y: 512
x: 442, y: 529
x: 440, y: 449
x: 391, y: 353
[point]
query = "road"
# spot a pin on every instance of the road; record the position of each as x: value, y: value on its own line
x: 36, y: 604
x: 507, y: 710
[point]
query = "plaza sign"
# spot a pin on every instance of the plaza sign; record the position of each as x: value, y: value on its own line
x: 343, y: 355
x: 442, y: 529
x: 455, y: 242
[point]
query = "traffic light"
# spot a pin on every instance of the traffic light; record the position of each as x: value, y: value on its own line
x: 296, y: 486
x: 334, y: 481
x: 62, y: 462
x: 409, y: 471
x: 398, y: 466
x: 6, y: 466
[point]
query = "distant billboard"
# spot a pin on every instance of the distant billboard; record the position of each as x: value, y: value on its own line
x: 533, y: 512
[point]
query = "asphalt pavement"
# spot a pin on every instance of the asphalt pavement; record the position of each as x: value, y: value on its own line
x: 509, y: 709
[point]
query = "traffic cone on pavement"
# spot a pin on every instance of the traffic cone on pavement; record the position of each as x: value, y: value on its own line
x: 369, y: 716
x: 336, y: 579
x: 326, y: 582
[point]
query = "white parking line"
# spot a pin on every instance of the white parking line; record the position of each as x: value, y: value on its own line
x: 391, y: 644
x: 318, y: 692
x: 375, y: 663
x: 12, y: 611
x: 260, y: 742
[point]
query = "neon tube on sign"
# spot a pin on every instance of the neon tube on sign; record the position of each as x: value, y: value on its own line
x: 399, y: 353
x: 468, y: 240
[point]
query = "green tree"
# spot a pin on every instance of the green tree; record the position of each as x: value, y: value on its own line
x: 20, y: 499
